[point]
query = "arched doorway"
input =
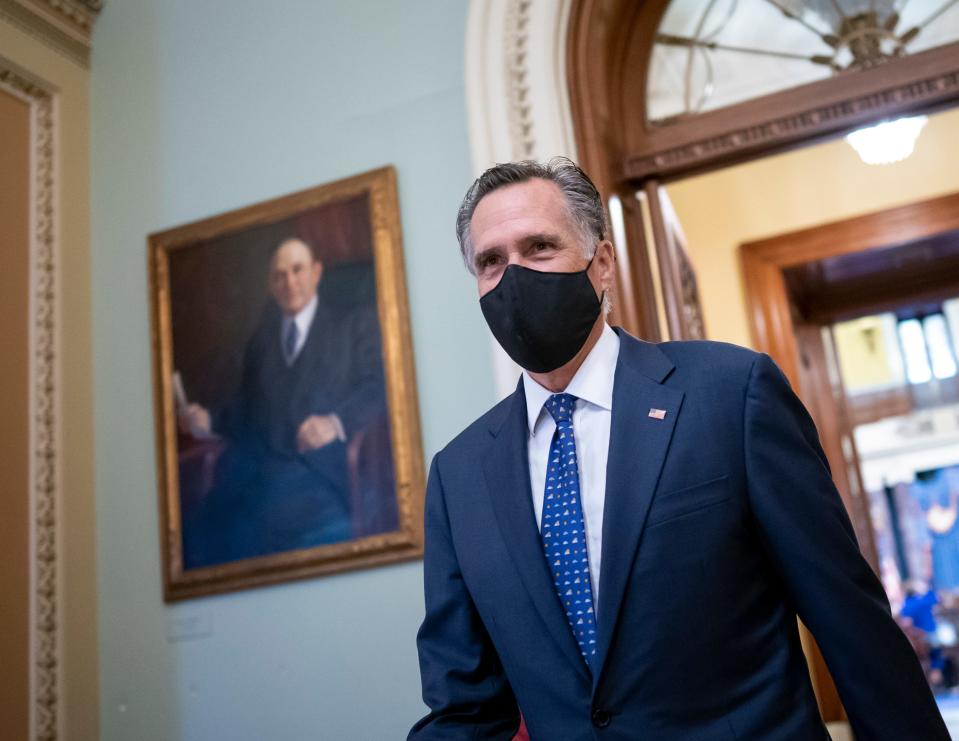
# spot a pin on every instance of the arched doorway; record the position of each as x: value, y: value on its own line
x: 634, y: 143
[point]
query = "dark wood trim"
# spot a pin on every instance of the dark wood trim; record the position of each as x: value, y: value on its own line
x: 610, y: 46
x: 773, y: 317
x: 822, y: 389
x: 609, y: 49
x: 774, y: 329
x: 596, y: 45
x: 888, y: 228
x: 934, y: 290
x: 791, y: 118
x: 768, y: 303
x: 815, y: 387
x: 666, y: 257
x: 769, y: 310
x: 635, y: 302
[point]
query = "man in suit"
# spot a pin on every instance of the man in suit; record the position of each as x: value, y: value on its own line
x: 620, y: 548
x: 311, y: 378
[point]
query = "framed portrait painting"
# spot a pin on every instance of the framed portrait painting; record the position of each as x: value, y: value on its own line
x: 288, y: 436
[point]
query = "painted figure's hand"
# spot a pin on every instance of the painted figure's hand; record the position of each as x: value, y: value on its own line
x: 195, y: 420
x: 316, y: 431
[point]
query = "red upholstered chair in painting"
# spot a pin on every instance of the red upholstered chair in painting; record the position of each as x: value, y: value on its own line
x: 372, y: 484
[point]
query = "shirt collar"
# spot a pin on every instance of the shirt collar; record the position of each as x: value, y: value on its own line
x: 303, y: 318
x: 593, y: 382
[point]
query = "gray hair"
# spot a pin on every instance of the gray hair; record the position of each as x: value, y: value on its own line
x: 582, y: 199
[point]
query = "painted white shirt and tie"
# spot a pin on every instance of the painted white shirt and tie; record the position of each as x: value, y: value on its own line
x: 302, y: 320
x: 593, y: 387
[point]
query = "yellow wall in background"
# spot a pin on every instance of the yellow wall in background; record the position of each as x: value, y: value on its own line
x: 865, y: 347
x: 828, y: 182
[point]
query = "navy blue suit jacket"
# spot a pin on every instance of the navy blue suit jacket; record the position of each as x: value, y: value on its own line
x: 721, y: 525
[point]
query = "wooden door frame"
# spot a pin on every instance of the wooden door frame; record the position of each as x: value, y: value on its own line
x: 608, y: 47
x: 771, y: 312
x: 763, y: 261
x: 773, y: 330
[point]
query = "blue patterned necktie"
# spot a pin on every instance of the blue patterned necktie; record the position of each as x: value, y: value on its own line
x: 563, y: 531
x: 289, y: 342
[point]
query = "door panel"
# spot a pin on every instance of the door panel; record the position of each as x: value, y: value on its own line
x: 14, y: 416
x: 677, y: 277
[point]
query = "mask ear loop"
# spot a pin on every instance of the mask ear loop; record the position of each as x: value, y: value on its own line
x: 590, y: 263
x: 602, y: 296
x: 593, y: 257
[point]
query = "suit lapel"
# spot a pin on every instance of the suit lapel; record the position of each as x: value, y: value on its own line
x: 507, y: 478
x: 639, y: 438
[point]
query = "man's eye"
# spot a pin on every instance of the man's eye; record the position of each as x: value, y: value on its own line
x: 489, y: 261
x: 541, y: 246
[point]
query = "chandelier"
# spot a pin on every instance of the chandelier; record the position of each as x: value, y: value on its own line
x: 856, y: 34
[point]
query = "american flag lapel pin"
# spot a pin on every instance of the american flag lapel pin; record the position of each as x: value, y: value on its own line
x: 657, y: 413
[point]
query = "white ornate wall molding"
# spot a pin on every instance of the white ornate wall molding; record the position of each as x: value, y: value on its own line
x: 64, y: 25
x: 45, y: 617
x: 516, y: 95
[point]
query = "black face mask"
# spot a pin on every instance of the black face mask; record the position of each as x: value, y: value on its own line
x: 541, y: 319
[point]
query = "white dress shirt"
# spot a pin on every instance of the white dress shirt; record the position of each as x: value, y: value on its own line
x: 303, y: 319
x: 593, y: 387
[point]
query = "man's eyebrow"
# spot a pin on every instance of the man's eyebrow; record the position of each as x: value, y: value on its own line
x: 478, y: 257
x: 543, y: 237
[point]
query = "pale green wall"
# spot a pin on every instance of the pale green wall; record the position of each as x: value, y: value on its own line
x: 205, y: 106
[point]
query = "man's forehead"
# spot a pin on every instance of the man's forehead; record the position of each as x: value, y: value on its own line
x: 535, y: 204
x: 290, y: 252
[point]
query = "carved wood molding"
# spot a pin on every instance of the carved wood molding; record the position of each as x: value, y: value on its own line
x: 65, y: 25
x: 784, y: 126
x: 44, y: 481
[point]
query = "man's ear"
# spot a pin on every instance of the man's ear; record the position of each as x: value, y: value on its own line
x: 317, y: 271
x: 606, y: 258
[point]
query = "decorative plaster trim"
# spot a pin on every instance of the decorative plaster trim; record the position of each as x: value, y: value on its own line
x: 79, y: 15
x: 44, y: 409
x: 516, y: 93
x: 64, y: 25
x: 519, y: 110
x: 516, y: 96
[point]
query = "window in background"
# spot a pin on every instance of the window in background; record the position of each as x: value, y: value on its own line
x: 950, y: 310
x: 913, y: 341
x: 940, y: 348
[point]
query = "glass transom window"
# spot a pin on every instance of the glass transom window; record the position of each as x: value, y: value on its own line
x: 712, y: 54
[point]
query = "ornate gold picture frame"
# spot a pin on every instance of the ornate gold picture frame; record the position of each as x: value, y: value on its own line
x: 288, y: 434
